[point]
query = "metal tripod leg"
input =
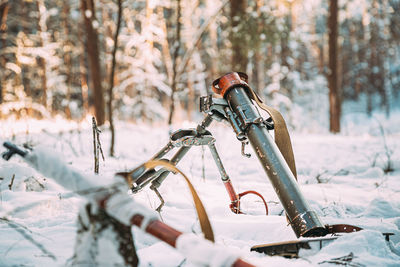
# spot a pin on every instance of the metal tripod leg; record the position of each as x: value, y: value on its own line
x: 235, y: 204
x: 201, y: 132
x: 158, y: 209
x: 217, y: 159
x: 174, y: 160
x: 157, y: 182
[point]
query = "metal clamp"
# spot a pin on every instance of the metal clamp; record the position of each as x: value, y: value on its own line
x: 191, y: 137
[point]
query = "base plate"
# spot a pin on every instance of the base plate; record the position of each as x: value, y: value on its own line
x: 291, y: 249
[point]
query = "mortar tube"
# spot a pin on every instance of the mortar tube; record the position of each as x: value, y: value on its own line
x: 304, y: 221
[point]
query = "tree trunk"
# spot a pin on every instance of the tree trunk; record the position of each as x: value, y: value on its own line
x: 373, y: 84
x: 175, y: 62
x: 383, y: 88
x: 214, y: 48
x: 239, y: 47
x: 190, y: 67
x: 84, y: 85
x: 41, y: 61
x: 88, y: 12
x: 112, y: 74
x: 67, y: 55
x: 147, y: 92
x: 3, y: 30
x: 334, y: 94
x: 165, y: 46
x: 258, y: 56
x: 361, y: 83
x: 285, y: 53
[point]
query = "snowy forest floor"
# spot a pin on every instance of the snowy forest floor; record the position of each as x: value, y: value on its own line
x: 342, y: 176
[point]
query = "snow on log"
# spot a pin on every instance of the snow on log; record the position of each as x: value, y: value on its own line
x: 114, y: 199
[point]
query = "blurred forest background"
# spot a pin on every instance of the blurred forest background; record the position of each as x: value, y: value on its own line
x: 150, y: 60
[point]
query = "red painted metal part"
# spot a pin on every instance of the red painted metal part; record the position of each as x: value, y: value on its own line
x: 242, y: 263
x: 169, y: 235
x: 235, y: 201
x: 257, y: 194
x: 342, y: 228
x: 222, y: 85
x: 158, y: 229
x: 165, y: 232
x: 235, y: 198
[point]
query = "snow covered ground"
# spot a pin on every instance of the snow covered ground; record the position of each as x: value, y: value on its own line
x: 342, y: 177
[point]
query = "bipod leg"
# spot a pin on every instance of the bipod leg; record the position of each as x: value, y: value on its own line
x: 235, y: 198
x: 168, y: 147
x: 162, y: 202
x: 235, y: 203
x: 184, y: 139
x: 143, y: 177
x: 218, y: 162
x: 174, y: 160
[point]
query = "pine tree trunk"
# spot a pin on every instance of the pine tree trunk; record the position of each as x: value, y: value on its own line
x: 111, y: 82
x: 373, y: 78
x: 175, y: 62
x: 41, y: 61
x: 361, y: 57
x: 334, y: 95
x: 258, y: 56
x: 88, y: 12
x: 84, y: 85
x: 67, y: 55
x: 214, y: 48
x: 239, y: 47
x: 3, y: 31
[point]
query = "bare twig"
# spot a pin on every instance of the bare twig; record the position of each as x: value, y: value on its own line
x: 95, y: 151
x: 12, y: 182
x: 37, y: 181
x: 23, y: 231
x: 374, y: 158
x: 24, y: 227
x: 96, y: 145
x: 62, y: 139
x: 99, y: 144
x: 188, y: 55
x: 182, y: 263
x: 178, y: 69
x: 388, y: 152
x: 12, y: 246
x: 345, y: 260
x: 322, y: 180
x: 318, y: 177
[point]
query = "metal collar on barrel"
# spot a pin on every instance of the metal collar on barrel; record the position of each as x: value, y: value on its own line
x: 229, y: 81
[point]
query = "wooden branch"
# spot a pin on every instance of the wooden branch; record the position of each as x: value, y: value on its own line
x: 199, y: 34
x: 111, y: 82
x: 95, y: 147
x: 177, y: 45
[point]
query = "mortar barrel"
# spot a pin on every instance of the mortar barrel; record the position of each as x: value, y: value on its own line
x: 304, y: 221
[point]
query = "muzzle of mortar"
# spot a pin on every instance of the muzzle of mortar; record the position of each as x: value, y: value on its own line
x: 234, y: 89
